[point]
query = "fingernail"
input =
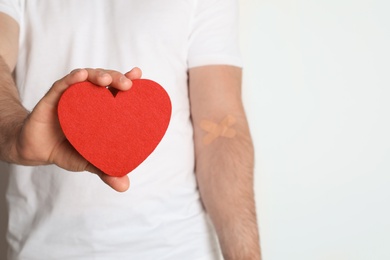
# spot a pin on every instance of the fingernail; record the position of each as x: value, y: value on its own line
x: 75, y: 71
x: 124, y: 80
x: 103, y: 74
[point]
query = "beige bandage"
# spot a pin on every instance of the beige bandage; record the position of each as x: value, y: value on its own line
x: 216, y: 130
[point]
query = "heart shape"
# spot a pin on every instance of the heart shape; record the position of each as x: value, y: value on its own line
x: 115, y: 133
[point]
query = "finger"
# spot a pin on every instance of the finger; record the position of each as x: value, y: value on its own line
x: 112, y: 78
x: 66, y: 157
x: 135, y: 73
x: 119, y: 184
x: 53, y: 95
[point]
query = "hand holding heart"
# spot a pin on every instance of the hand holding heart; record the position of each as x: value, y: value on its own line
x: 41, y: 140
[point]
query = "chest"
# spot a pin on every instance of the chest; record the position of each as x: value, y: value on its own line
x: 166, y: 21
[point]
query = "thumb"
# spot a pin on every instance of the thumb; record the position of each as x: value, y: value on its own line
x: 120, y: 184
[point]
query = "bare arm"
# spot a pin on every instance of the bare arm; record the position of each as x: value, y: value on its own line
x: 12, y: 113
x: 224, y: 158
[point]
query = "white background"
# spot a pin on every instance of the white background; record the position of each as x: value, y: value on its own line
x: 317, y: 91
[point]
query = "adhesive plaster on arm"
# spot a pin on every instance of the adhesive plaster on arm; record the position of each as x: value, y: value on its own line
x: 222, y: 129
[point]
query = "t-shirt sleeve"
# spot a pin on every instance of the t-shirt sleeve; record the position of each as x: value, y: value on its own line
x: 11, y: 8
x: 213, y: 38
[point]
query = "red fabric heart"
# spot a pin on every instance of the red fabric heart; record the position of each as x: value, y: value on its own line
x: 115, y: 133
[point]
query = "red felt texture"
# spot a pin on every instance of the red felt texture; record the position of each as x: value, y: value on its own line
x: 115, y: 134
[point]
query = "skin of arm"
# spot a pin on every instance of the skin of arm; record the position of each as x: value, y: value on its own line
x: 224, y: 167
x: 35, y: 138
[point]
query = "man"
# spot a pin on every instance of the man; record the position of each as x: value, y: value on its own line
x: 189, y: 47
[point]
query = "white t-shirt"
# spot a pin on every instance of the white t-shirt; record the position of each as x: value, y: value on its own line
x: 55, y: 214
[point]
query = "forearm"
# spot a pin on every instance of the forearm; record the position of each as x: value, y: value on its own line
x: 12, y: 113
x: 225, y: 176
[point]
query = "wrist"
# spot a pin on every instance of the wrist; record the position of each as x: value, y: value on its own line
x: 243, y: 250
x: 11, y: 130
